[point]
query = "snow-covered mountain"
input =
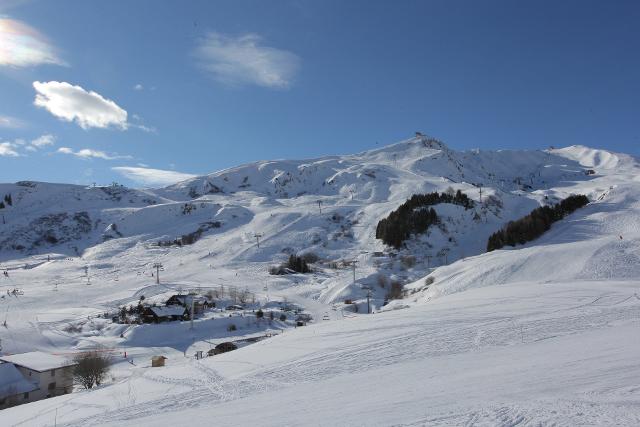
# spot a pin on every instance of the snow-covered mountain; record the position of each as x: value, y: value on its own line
x: 229, y: 227
x: 282, y: 201
x: 328, y: 207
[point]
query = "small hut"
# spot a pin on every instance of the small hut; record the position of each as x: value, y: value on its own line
x: 157, y: 361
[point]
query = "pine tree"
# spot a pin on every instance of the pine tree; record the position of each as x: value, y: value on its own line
x: 535, y: 224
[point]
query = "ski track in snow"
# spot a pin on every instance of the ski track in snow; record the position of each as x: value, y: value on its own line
x: 398, y: 341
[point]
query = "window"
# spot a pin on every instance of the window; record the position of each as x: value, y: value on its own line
x: 26, y: 395
x: 53, y: 372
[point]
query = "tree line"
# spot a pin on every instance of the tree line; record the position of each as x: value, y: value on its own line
x: 533, y: 225
x: 7, y: 200
x: 415, y: 216
x: 297, y: 264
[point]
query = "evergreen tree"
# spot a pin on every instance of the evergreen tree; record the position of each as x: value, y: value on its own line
x: 535, y: 224
x: 298, y: 264
x: 416, y: 215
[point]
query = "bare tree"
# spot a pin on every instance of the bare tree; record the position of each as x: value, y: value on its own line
x: 91, y: 368
x: 396, y: 291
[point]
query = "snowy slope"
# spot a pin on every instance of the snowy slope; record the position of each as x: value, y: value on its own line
x: 599, y: 242
x: 114, y: 231
x: 530, y: 353
x: 575, y: 287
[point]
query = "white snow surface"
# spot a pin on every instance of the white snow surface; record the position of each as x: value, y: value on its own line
x: 37, y: 360
x: 540, y: 334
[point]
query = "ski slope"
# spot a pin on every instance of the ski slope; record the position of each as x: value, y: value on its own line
x: 538, y: 334
x: 523, y: 354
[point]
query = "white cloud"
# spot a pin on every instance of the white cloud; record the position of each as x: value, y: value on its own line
x: 8, y: 149
x: 138, y: 87
x: 43, y: 141
x: 151, y: 177
x: 88, y: 153
x: 243, y: 60
x: 72, y: 103
x: 10, y: 122
x: 140, y: 125
x: 13, y: 148
x: 144, y: 128
x: 23, y: 46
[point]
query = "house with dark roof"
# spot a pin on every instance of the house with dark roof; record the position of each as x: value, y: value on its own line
x: 200, y: 303
x: 168, y: 313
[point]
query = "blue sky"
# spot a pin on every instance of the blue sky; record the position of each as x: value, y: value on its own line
x: 140, y: 92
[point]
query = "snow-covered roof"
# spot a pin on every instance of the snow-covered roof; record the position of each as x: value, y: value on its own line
x: 186, y: 299
x: 170, y: 310
x: 12, y: 382
x: 38, y: 361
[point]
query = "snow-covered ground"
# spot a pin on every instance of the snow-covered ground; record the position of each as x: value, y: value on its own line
x: 526, y: 353
x: 544, y: 333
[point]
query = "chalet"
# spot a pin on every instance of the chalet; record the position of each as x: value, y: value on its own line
x: 50, y: 375
x: 304, y: 317
x: 164, y: 314
x: 157, y: 361
x: 200, y: 303
x: 14, y: 388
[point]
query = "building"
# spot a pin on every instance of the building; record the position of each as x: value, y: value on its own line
x: 157, y: 361
x: 14, y: 388
x: 164, y: 314
x: 51, y: 375
x: 200, y: 303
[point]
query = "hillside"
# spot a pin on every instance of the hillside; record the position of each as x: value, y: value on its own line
x: 433, y: 353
